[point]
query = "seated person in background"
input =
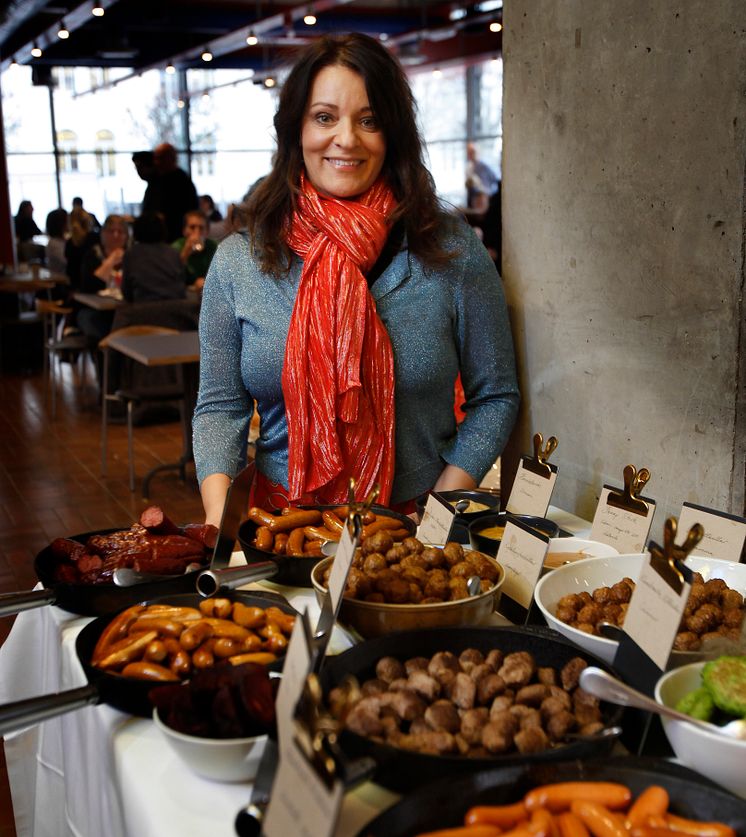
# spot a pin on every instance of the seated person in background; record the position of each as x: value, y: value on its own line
x: 151, y: 269
x: 82, y: 239
x: 78, y: 204
x: 207, y: 205
x: 101, y: 268
x: 54, y: 254
x: 195, y: 249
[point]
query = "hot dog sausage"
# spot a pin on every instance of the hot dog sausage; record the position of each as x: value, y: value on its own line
x: 597, y: 818
x: 220, y: 608
x: 146, y: 670
x: 652, y: 802
x: 332, y: 522
x: 196, y: 634
x: 116, y: 629
x: 295, y: 542
x: 294, y: 519
x: 157, y: 522
x: 558, y: 797
x: 264, y: 539
x: 131, y: 651
x: 281, y: 541
x: 503, y: 816
x: 320, y: 533
x: 248, y: 617
x: 263, y: 658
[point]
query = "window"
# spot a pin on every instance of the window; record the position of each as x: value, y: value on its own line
x: 67, y: 143
x: 106, y: 161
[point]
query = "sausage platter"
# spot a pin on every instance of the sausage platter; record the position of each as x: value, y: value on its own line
x: 127, y: 694
x: 442, y: 804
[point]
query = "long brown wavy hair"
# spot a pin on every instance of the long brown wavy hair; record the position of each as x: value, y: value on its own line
x: 273, y: 200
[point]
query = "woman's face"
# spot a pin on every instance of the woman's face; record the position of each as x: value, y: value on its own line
x: 343, y: 146
x: 114, y: 237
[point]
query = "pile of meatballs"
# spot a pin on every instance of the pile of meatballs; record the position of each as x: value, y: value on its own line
x: 713, y: 611
x: 474, y: 705
x: 411, y: 573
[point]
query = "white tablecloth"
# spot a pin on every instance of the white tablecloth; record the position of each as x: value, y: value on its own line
x: 97, y: 771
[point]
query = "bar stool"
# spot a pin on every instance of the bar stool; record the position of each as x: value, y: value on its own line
x: 55, y: 345
x: 132, y: 397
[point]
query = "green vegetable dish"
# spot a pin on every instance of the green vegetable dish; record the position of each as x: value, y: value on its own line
x: 722, y: 694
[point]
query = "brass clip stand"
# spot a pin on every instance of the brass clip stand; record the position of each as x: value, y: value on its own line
x: 628, y: 498
x: 666, y: 561
x: 539, y: 464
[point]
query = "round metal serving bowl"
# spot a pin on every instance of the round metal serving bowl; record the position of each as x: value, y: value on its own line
x: 489, y: 545
x: 371, y: 619
x: 477, y: 497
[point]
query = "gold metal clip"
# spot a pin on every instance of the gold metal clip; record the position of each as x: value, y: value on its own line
x: 628, y: 498
x: 664, y: 560
x: 538, y: 465
x: 358, y: 508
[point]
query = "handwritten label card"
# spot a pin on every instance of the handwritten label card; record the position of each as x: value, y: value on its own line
x: 294, y: 673
x: 625, y: 530
x: 341, y: 568
x: 301, y: 803
x: 521, y: 553
x: 531, y: 493
x: 654, y: 614
x: 437, y: 521
x: 725, y: 534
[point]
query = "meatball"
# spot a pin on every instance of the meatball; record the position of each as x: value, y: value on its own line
x: 714, y: 588
x: 494, y: 658
x: 478, y: 673
x: 731, y: 599
x: 434, y: 557
x: 424, y: 684
x: 389, y: 668
x: 531, y: 740
x: 602, y: 595
x: 464, y: 569
x: 453, y: 553
x: 395, y: 590
x: 572, y: 601
x: 415, y: 561
x: 484, y: 568
x: 517, y: 669
x: 373, y: 687
x: 365, y: 717
x: 469, y: 658
x: 686, y: 641
x: 374, y: 563
x: 443, y: 660
x: 590, y: 613
x: 416, y: 664
x: 498, y: 732
x: 437, y: 586
x: 621, y: 592
x: 458, y: 589
x: 571, y: 672
x: 551, y: 705
x: 500, y: 704
x: 472, y: 723
x: 413, y: 545
x: 443, y: 715
x: 559, y: 724
x: 434, y: 741
x: 546, y: 675
x: 733, y: 617
x: 405, y: 704
x: 565, y: 614
x: 704, y: 619
x: 527, y: 716
x: 381, y: 542
x: 489, y: 687
x: 358, y: 584
x: 397, y: 553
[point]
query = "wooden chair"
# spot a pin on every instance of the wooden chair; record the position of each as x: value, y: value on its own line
x: 131, y: 397
x: 52, y: 313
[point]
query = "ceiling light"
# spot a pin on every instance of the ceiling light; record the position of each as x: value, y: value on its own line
x: 170, y: 69
x: 496, y: 26
x: 457, y: 14
x: 205, y: 97
x: 309, y: 18
x: 98, y: 9
x: 180, y: 104
x: 36, y: 50
x: 269, y: 82
x: 437, y: 72
x: 63, y: 33
x: 251, y: 38
x: 206, y: 55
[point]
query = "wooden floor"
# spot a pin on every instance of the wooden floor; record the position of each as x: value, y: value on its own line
x: 51, y: 483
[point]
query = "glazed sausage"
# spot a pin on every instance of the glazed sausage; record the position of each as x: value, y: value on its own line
x: 129, y: 652
x: 157, y: 522
x: 281, y: 541
x: 597, y: 818
x: 652, y: 802
x: 168, y: 627
x: 261, y: 657
x: 116, y: 629
x: 332, y: 522
x: 260, y: 517
x: 220, y: 608
x: 196, y: 634
x: 147, y: 670
x: 204, y: 533
x: 570, y: 825
x: 248, y: 617
x: 559, y: 796
x: 295, y: 542
x: 699, y: 829
x: 503, y: 816
x: 264, y: 539
x: 156, y: 651
x: 320, y: 533
x: 294, y: 519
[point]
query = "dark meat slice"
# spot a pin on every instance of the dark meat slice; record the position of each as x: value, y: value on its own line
x: 64, y: 548
x: 463, y: 691
x: 423, y: 684
x: 472, y: 723
x: 89, y: 563
x: 517, y: 669
x: 157, y: 522
x: 389, y: 668
x: 488, y: 688
x: 66, y: 574
x: 443, y: 715
x: 571, y: 672
x: 407, y: 705
x: 531, y: 740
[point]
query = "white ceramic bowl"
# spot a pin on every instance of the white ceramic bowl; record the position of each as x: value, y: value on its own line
x: 604, y: 572
x: 716, y: 756
x: 567, y: 550
x: 220, y: 759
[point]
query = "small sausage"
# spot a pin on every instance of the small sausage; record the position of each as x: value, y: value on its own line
x: 652, y: 802
x: 296, y: 518
x: 196, y: 634
x: 295, y: 542
x: 320, y: 533
x: 116, y: 629
x: 156, y: 651
x: 181, y: 663
x: 224, y: 627
x: 260, y: 517
x: 559, y: 796
x: 248, y: 617
x: 570, y: 825
x: 263, y: 658
x: 332, y: 522
x: 226, y: 647
x: 281, y: 542
x: 218, y: 607
x: 203, y: 657
x: 597, y: 818
x: 146, y: 670
x: 165, y: 627
x: 131, y: 651
x: 264, y: 539
x: 699, y: 829
x: 503, y: 816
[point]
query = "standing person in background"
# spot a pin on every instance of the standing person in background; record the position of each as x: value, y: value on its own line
x: 150, y: 268
x: 26, y: 229
x: 145, y: 167
x: 175, y: 192
x: 483, y: 179
x: 348, y: 306
x: 195, y: 249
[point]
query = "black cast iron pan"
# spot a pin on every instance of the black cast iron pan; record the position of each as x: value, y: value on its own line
x: 443, y: 804
x: 125, y: 693
x: 89, y: 599
x: 296, y: 572
x: 401, y: 770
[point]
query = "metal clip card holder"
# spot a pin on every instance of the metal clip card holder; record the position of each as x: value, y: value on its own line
x: 538, y: 464
x: 628, y: 498
x: 234, y: 512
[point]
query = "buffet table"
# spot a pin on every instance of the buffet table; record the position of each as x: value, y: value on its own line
x: 99, y: 771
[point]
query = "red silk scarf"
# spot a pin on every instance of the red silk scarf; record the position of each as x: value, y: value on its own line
x: 338, y: 377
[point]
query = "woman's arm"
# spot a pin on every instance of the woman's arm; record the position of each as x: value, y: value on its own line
x: 453, y: 477
x: 214, y: 490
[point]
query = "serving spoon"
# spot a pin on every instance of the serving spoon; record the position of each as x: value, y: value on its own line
x: 597, y: 682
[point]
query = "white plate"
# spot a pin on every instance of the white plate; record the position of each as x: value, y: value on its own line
x: 568, y: 550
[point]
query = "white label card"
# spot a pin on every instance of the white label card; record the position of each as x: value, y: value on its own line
x: 626, y: 531
x: 724, y: 536
x: 341, y: 568
x: 531, y: 493
x: 294, y: 673
x: 654, y: 614
x: 521, y: 553
x: 301, y: 804
x: 437, y: 521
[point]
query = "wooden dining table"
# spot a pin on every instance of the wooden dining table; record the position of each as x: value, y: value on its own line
x: 99, y: 302
x: 180, y: 349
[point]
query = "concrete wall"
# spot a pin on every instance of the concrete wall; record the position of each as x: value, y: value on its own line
x: 623, y: 242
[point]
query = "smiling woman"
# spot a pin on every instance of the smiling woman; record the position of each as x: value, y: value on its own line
x: 348, y: 307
